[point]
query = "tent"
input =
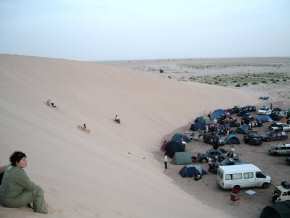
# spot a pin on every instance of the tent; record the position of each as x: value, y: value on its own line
x: 243, y: 129
x: 199, y: 123
x: 263, y: 118
x: 217, y: 114
x: 182, y: 158
x: 172, y: 147
x: 278, y: 210
x: 192, y: 171
x: 179, y: 138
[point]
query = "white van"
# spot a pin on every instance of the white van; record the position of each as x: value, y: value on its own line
x: 241, y: 176
x: 283, y: 149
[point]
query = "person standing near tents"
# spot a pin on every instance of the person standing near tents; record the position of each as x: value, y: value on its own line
x: 17, y: 190
x: 165, y: 161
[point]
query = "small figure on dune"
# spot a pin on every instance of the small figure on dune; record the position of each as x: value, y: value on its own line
x: 84, y: 127
x: 50, y: 103
x: 117, y: 118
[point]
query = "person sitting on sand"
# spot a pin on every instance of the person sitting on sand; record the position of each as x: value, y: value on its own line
x: 17, y: 190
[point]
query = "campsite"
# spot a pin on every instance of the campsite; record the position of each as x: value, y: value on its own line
x: 251, y: 205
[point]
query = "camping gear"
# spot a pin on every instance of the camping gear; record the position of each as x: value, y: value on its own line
x: 182, y: 158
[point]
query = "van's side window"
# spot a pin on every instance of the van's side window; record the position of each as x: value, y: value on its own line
x: 228, y: 177
x: 237, y: 176
x: 260, y: 175
x: 248, y: 175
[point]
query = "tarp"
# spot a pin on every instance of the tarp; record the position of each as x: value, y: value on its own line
x: 263, y: 118
x: 278, y: 210
x: 182, y: 158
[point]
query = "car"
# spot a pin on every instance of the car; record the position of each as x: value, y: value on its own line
x: 280, y: 126
x: 246, y: 109
x: 280, y: 149
x: 264, y: 110
x: 253, y: 138
x: 277, y: 114
x: 274, y: 136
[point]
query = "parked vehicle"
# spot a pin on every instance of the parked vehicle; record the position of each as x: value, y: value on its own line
x: 281, y: 192
x: 280, y: 126
x: 242, y: 176
x: 253, y: 138
x: 274, y: 136
x: 283, y: 149
x: 264, y: 110
x: 277, y: 114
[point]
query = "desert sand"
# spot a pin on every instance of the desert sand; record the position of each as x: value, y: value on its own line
x: 115, y: 170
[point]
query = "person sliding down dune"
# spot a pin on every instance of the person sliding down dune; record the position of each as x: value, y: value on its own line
x: 50, y: 103
x: 17, y: 190
x: 117, y: 119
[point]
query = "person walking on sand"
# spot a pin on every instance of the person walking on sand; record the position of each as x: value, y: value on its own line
x: 17, y: 190
x: 165, y: 162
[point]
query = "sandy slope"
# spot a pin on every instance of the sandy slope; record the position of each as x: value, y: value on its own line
x: 112, y: 171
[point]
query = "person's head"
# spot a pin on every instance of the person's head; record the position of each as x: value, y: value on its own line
x: 18, y: 158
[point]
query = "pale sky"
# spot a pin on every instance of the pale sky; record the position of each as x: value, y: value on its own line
x: 145, y: 29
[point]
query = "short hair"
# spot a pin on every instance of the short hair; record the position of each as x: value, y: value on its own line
x: 16, y: 157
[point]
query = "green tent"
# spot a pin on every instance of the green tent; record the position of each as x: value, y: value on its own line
x: 183, y: 158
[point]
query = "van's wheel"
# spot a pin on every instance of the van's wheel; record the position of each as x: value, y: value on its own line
x: 197, y: 177
x: 265, y: 185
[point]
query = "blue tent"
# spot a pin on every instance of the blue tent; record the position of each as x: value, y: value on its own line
x: 217, y: 114
x: 199, y: 123
x: 191, y: 171
x: 178, y: 138
x: 263, y: 118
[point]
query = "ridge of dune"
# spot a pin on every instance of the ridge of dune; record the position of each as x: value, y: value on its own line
x: 115, y: 170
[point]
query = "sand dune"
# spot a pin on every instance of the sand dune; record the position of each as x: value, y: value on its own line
x: 113, y: 171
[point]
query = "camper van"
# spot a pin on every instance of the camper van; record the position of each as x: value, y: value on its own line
x: 242, y: 176
x: 283, y: 149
